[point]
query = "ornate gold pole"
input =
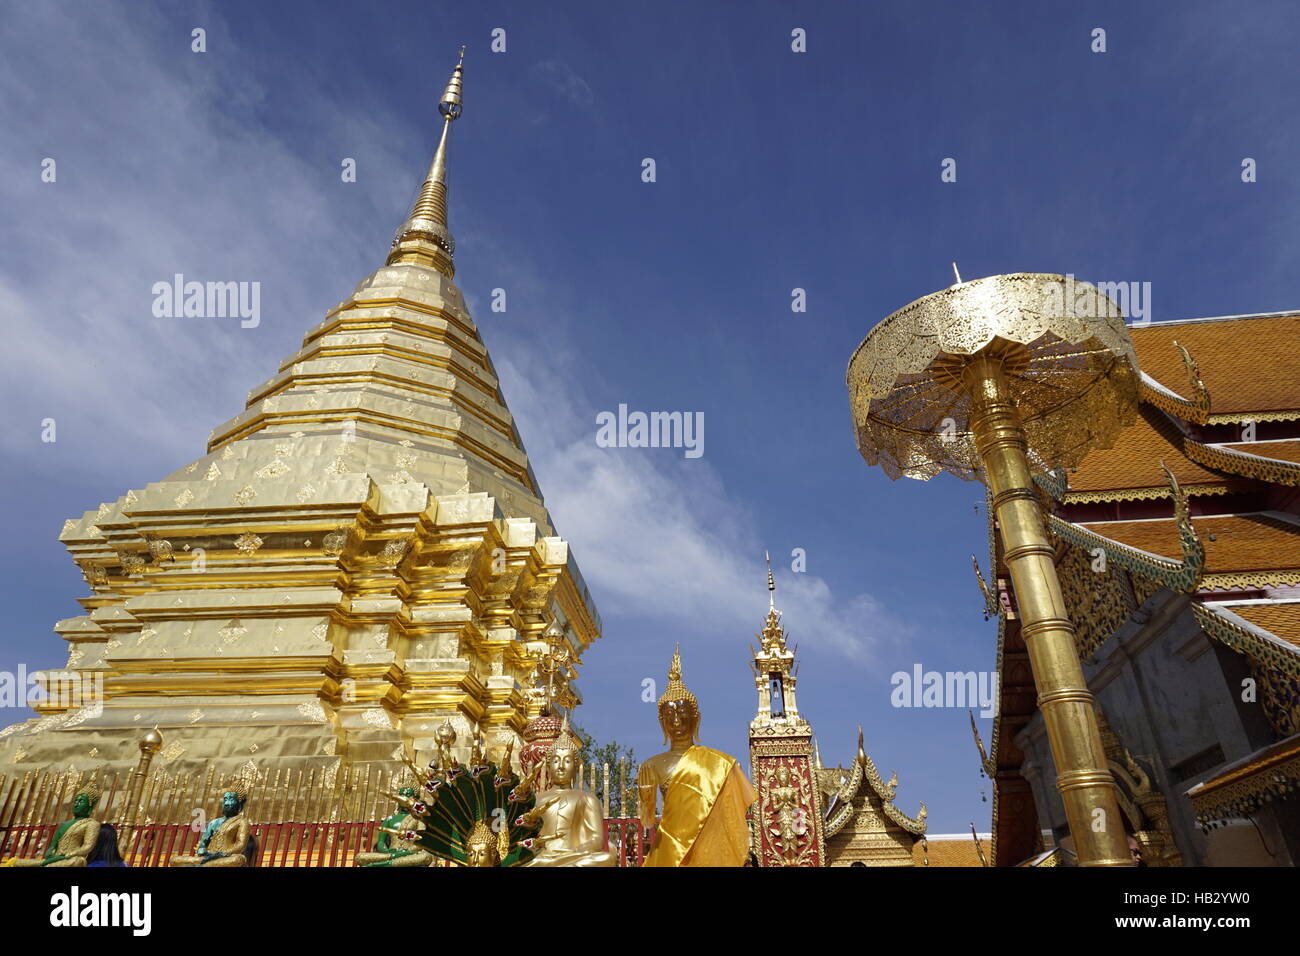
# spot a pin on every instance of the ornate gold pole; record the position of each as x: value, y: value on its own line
x: 967, y: 380
x: 150, y: 744
x: 1086, y: 786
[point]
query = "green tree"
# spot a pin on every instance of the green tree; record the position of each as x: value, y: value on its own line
x: 620, y: 805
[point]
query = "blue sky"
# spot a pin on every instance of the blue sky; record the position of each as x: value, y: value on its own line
x: 775, y: 170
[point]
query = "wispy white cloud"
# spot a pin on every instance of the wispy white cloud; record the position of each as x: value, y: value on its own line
x: 561, y: 78
x: 161, y: 169
x: 661, y: 537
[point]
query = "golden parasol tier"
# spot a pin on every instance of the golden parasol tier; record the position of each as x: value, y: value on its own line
x: 974, y: 380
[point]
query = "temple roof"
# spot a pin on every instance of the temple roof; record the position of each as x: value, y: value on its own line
x: 1200, y: 380
x: 1279, y: 618
x: 1134, y: 460
x: 844, y: 788
x: 1248, y: 363
x: 1263, y: 543
x: 1244, y: 786
x: 956, y: 849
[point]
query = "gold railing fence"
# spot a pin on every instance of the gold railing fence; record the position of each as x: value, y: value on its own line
x: 300, y: 818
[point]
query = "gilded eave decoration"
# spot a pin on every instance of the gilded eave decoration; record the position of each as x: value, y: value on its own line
x: 1167, y: 400
x: 1244, y: 797
x: 1256, y: 643
x: 1184, y: 576
x: 1245, y: 464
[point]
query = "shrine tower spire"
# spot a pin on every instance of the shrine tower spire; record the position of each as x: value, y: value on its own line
x: 788, y: 814
x: 424, y: 236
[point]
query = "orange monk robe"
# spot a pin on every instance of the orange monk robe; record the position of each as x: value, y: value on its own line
x: 703, y: 821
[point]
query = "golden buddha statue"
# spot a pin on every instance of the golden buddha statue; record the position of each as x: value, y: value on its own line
x: 485, y: 848
x: 73, y: 840
x: 226, y: 839
x: 705, y: 793
x: 573, y: 825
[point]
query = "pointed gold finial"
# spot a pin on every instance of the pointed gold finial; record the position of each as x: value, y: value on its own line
x: 424, y: 237
x: 676, y: 690
x: 771, y: 582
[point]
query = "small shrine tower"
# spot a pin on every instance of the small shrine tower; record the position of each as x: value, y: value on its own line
x: 788, y: 814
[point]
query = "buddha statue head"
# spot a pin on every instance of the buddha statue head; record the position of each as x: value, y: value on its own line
x: 485, y: 848
x: 679, y: 712
x: 234, y: 797
x: 85, y: 800
x: 564, y: 757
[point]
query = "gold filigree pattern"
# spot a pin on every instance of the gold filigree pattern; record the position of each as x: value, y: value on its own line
x: 232, y: 632
x: 1097, y: 601
x: 1070, y: 365
x: 313, y: 710
x: 248, y: 543
x: 273, y: 469
x: 173, y: 750
x: 160, y: 550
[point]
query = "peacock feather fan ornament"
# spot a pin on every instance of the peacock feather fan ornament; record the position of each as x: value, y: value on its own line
x: 477, y: 816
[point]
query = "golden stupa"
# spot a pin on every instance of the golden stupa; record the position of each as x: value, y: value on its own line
x: 362, y: 554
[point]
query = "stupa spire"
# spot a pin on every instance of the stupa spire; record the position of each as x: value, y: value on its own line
x: 771, y: 582
x: 424, y: 236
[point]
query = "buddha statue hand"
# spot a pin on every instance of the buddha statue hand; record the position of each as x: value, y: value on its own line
x: 535, y: 815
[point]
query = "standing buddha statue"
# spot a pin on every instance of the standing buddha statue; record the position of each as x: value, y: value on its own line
x: 73, y: 840
x: 705, y: 793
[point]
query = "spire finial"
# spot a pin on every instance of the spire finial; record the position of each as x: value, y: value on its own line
x: 771, y: 582
x: 955, y: 272
x: 424, y: 237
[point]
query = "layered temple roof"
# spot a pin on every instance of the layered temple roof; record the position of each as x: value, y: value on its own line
x: 362, y: 553
x: 1225, y: 529
x: 1250, y: 364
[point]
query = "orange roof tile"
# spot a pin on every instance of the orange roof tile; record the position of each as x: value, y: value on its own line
x: 1248, y: 364
x: 1281, y: 619
x: 1134, y: 460
x: 1233, y: 543
x: 955, y: 852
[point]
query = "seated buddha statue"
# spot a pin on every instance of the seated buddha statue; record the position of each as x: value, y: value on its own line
x: 391, y: 849
x: 226, y: 839
x: 705, y: 794
x: 73, y: 840
x: 573, y: 825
